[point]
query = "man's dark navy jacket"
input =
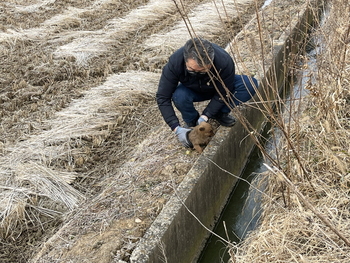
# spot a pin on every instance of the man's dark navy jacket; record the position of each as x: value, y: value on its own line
x: 174, y: 72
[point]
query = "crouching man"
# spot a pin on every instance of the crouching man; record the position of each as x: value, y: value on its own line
x: 201, y: 71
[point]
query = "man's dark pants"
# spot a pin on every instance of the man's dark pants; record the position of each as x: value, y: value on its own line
x: 183, y: 97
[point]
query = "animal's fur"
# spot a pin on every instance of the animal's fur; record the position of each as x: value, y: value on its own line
x: 200, y: 135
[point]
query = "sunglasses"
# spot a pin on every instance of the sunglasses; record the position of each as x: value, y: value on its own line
x: 192, y: 72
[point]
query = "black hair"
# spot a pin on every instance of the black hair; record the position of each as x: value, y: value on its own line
x: 200, y: 50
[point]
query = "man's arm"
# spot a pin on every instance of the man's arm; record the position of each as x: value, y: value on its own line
x: 167, y: 85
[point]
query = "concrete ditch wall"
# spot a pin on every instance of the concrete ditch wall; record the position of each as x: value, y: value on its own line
x: 178, y: 234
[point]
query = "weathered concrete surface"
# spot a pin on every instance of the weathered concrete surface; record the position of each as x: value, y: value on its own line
x: 178, y: 234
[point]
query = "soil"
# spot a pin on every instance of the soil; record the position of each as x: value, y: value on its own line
x: 40, y: 78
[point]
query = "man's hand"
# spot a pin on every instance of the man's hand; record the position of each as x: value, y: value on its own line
x: 182, y: 136
x: 202, y: 118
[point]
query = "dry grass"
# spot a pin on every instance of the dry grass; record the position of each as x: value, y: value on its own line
x: 306, y: 214
x: 115, y: 123
x: 43, y: 165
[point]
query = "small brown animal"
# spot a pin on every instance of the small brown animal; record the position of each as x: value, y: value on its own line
x: 200, y: 135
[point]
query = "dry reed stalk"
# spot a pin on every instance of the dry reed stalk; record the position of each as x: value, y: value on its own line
x: 254, y: 54
x: 315, y: 227
x: 324, y: 219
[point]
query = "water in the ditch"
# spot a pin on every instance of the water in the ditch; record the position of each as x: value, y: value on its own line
x: 239, y: 216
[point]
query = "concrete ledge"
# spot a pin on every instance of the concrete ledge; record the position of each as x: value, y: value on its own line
x: 176, y: 234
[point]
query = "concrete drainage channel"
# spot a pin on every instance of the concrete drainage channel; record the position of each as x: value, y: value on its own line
x: 180, y: 231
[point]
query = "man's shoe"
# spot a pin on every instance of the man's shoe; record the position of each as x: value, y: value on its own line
x: 190, y: 124
x: 225, y: 119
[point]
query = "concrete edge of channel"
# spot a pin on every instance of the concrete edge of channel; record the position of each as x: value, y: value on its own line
x: 180, y: 231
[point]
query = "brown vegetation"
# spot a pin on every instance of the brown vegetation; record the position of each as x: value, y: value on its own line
x: 306, y: 209
x: 84, y: 167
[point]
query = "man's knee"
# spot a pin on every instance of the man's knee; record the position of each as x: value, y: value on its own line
x: 245, y: 88
x: 244, y: 83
